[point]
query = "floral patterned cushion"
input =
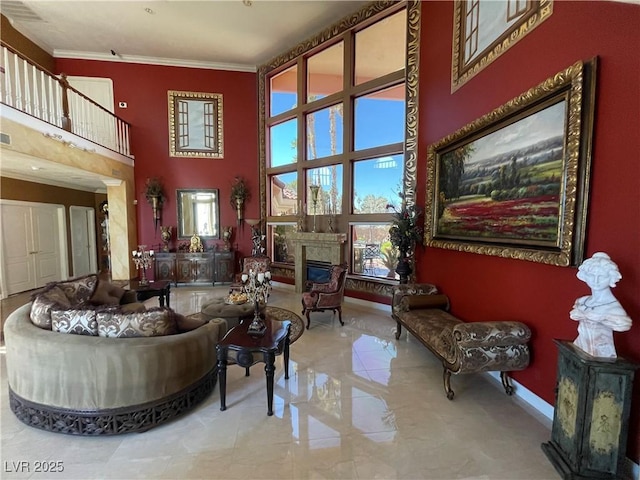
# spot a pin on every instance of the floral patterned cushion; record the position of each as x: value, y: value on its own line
x: 154, y: 322
x: 258, y: 264
x: 52, y: 297
x: 79, y: 290
x: 77, y: 321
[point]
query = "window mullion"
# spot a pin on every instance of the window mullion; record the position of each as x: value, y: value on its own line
x: 302, y: 132
x: 347, y: 128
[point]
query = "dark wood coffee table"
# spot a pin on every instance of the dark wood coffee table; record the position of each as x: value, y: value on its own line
x: 160, y: 289
x: 245, y: 350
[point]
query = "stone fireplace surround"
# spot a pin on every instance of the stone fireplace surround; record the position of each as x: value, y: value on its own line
x: 322, y: 247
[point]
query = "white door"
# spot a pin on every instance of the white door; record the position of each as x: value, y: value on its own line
x: 46, y: 243
x: 95, y: 125
x: 33, y: 245
x: 83, y: 241
x: 17, y: 249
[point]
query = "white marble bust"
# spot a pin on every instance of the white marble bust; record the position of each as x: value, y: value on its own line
x: 599, y: 314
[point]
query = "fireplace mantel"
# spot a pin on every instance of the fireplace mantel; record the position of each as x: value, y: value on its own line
x: 325, y: 247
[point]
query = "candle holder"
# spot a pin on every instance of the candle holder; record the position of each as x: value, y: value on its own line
x: 143, y: 259
x: 314, y: 200
x: 257, y: 286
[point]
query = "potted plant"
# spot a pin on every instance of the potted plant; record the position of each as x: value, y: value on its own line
x: 154, y: 192
x: 404, y: 233
x: 389, y: 255
x: 239, y: 195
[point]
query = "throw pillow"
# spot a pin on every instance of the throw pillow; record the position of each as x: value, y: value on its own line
x: 106, y: 293
x: 186, y: 324
x: 417, y: 302
x: 80, y: 321
x: 79, y: 290
x: 151, y: 323
x: 133, y: 307
x: 44, y: 302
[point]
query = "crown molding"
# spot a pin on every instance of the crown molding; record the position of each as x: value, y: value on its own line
x: 169, y: 62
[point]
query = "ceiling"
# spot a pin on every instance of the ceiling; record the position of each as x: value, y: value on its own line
x: 228, y: 35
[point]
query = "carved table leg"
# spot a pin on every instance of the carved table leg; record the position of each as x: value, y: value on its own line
x: 222, y: 376
x: 269, y: 369
x: 287, y: 342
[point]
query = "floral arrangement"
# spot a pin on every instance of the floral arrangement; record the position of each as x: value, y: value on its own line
x: 153, y: 188
x: 405, y: 229
x: 239, y: 191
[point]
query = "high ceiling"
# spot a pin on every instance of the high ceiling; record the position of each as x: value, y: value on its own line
x: 230, y: 34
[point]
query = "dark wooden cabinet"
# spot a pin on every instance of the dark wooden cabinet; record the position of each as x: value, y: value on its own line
x: 225, y: 267
x: 194, y: 268
x: 207, y: 267
x: 590, y: 421
x: 165, y: 267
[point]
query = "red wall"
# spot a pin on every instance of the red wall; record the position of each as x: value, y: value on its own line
x: 491, y: 288
x: 480, y: 287
x: 144, y: 88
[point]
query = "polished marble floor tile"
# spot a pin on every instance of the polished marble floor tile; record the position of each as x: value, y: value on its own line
x: 358, y: 404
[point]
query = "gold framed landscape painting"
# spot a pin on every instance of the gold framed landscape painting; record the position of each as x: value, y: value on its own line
x: 195, y: 124
x: 515, y: 182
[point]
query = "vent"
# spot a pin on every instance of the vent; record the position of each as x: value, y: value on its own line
x: 18, y: 11
x: 5, y: 138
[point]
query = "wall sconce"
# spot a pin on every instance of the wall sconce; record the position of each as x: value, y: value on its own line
x: 239, y: 195
x: 154, y: 191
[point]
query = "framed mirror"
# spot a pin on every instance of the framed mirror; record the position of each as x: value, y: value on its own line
x: 198, y: 213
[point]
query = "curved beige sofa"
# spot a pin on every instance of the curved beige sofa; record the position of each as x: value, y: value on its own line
x: 87, y: 385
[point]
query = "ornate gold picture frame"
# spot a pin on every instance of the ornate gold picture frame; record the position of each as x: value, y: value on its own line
x: 485, y: 29
x: 195, y: 124
x: 515, y: 182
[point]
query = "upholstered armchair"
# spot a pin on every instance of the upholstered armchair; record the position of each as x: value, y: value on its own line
x: 257, y: 263
x: 326, y: 296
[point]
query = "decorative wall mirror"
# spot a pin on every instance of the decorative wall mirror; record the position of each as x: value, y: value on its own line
x: 198, y: 213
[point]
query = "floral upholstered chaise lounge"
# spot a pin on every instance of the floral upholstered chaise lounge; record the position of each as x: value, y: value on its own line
x: 462, y: 347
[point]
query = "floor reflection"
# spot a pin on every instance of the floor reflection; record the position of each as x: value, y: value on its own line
x: 358, y: 404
